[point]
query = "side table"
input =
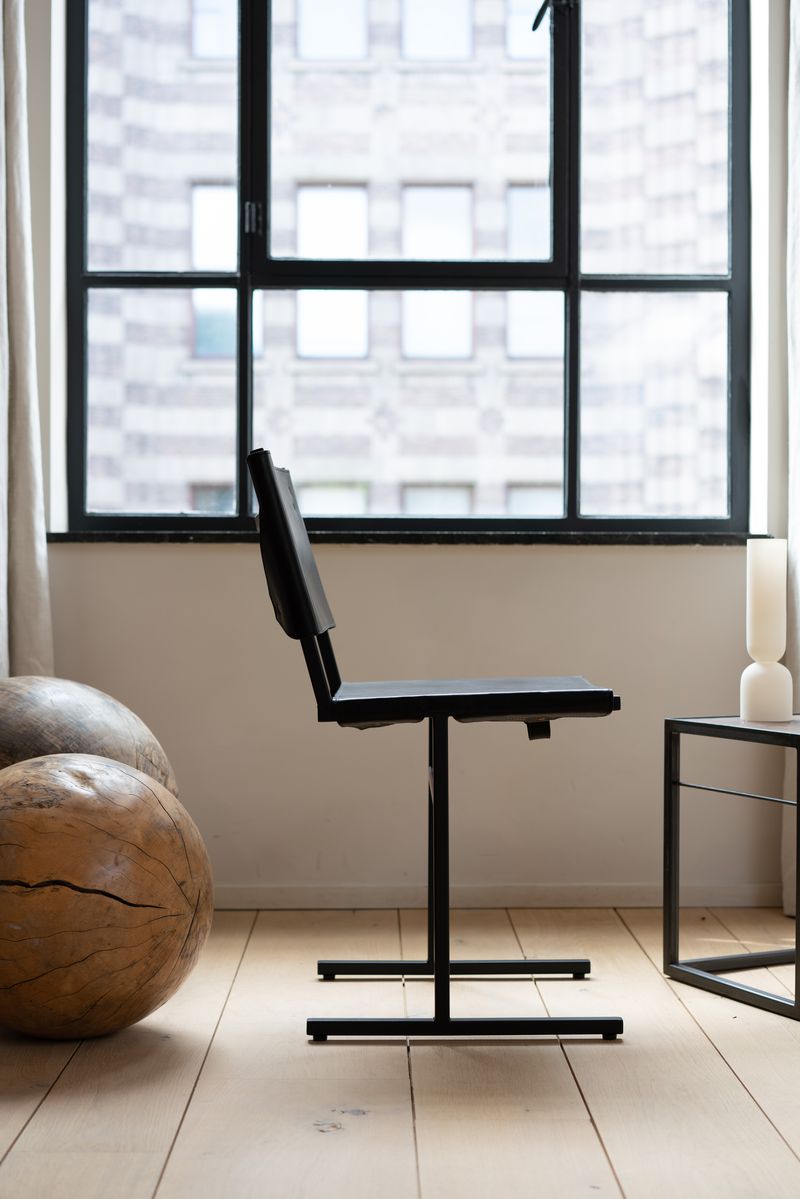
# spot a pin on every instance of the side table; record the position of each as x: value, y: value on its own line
x: 705, y: 972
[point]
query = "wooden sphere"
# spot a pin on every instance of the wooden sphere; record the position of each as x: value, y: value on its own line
x: 40, y: 715
x: 105, y: 895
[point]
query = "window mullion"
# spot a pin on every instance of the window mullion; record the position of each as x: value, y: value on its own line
x: 568, y: 34
x: 253, y: 115
x: 75, y: 117
x: 739, y: 330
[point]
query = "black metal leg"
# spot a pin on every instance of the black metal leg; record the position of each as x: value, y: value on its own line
x: 672, y: 807
x: 441, y: 873
x: 438, y: 960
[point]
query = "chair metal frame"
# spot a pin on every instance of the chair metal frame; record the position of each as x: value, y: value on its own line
x: 302, y: 610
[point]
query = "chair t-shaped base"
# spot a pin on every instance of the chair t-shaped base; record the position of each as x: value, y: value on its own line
x: 438, y: 963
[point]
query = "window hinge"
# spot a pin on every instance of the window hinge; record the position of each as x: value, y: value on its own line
x: 537, y: 20
x: 253, y: 217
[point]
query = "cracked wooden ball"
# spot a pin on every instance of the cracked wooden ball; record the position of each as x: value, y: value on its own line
x: 40, y: 715
x: 105, y: 895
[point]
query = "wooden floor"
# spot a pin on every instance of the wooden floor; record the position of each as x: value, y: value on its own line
x: 220, y: 1094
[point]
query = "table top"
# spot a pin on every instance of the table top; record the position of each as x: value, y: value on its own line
x: 783, y: 732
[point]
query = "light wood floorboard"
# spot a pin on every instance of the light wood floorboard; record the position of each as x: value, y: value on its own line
x: 492, y: 1118
x: 28, y: 1069
x: 275, y: 1117
x: 673, y: 1117
x: 219, y: 1095
x: 123, y: 1097
x: 762, y: 928
x: 762, y: 1049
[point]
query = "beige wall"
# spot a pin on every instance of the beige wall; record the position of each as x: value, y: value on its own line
x: 298, y: 813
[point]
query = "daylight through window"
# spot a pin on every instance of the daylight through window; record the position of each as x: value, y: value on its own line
x: 459, y: 276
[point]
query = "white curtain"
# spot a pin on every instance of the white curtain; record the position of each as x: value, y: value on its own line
x: 26, y: 643
x: 793, y: 326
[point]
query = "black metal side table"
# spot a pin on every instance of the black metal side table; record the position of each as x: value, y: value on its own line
x: 705, y: 972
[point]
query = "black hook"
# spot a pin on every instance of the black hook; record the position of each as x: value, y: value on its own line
x: 537, y: 20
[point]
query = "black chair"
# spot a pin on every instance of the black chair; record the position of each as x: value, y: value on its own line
x: 302, y: 610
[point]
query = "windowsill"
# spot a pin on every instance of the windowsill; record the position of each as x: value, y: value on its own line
x: 411, y: 537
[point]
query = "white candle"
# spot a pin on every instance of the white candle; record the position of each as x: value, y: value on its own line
x: 766, y: 599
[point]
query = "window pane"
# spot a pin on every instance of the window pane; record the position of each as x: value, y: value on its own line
x: 521, y: 40
x: 417, y: 433
x: 437, y: 324
x: 654, y: 190
x: 214, y: 227
x: 332, y: 324
x: 392, y: 124
x: 437, y: 222
x: 161, y: 433
x: 535, y: 324
x: 528, y: 222
x: 214, y: 28
x: 332, y: 222
x: 214, y: 324
x: 654, y: 391
x: 157, y: 121
x: 440, y: 30
x: 330, y: 31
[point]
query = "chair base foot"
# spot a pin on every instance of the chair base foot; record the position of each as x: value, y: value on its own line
x: 609, y: 1027
x: 577, y: 967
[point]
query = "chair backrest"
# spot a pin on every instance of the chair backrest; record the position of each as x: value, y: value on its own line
x: 293, y: 580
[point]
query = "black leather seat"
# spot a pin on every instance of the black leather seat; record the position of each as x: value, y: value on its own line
x: 303, y: 611
x: 528, y: 700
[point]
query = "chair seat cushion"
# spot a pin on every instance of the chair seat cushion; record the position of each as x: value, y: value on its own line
x: 526, y: 699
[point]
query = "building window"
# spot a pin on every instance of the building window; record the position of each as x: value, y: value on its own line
x: 215, y: 28
x: 538, y: 499
x: 460, y: 276
x: 214, y: 248
x: 442, y: 499
x: 212, y: 497
x: 437, y: 31
x: 528, y: 221
x: 332, y: 499
x: 332, y: 222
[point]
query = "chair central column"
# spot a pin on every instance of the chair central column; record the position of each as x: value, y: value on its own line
x: 441, y: 869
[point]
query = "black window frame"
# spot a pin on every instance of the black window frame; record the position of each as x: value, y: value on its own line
x: 258, y: 271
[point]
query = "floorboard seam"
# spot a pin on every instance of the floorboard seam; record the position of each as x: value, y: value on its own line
x: 188, y: 1103
x: 562, y: 1047
x: 41, y: 1101
x: 673, y: 986
x: 408, y: 1062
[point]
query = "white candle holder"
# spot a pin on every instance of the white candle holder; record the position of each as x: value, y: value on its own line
x: 766, y: 688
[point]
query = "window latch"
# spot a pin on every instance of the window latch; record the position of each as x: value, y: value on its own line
x: 253, y: 217
x: 537, y: 20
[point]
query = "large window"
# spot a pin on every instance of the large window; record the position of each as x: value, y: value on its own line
x: 462, y: 277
